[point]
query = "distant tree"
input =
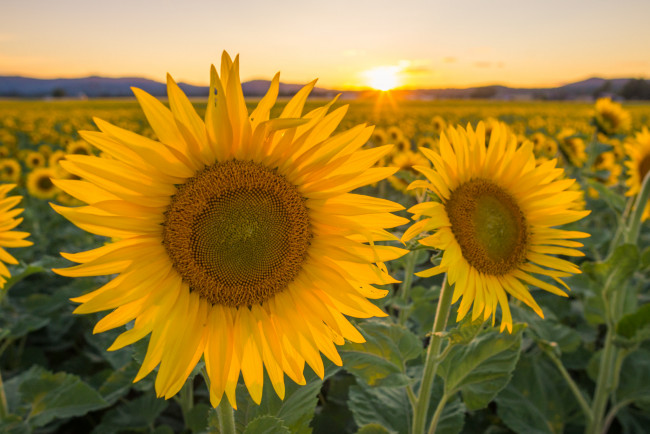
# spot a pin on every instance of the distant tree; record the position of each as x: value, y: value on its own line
x: 636, y: 88
x: 484, y: 92
x: 603, y: 89
x: 58, y: 92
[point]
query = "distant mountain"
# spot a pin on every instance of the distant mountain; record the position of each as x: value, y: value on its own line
x: 103, y: 87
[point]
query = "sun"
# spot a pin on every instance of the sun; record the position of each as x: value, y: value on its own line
x: 383, y: 77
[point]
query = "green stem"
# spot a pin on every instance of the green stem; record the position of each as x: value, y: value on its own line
x: 437, y: 414
x: 409, y: 268
x: 226, y: 417
x: 634, y: 226
x: 432, y: 359
x: 186, y: 400
x: 572, y: 385
x: 4, y: 409
x: 612, y: 414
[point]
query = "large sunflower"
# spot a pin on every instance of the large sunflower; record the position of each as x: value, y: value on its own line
x: 494, y: 220
x: 8, y: 237
x: 638, y: 166
x: 236, y: 238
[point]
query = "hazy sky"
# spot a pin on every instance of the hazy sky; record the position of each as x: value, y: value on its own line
x: 431, y: 43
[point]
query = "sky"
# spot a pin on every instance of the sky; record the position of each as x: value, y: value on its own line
x: 423, y: 43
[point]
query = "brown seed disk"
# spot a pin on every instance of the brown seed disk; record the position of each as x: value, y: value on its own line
x: 489, y: 226
x: 237, y: 233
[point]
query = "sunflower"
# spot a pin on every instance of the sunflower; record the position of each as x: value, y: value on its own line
x: 39, y: 183
x: 611, y: 118
x: 79, y: 147
x: 638, y: 166
x: 494, y: 220
x: 34, y: 160
x: 379, y: 137
x: 573, y: 146
x: 10, y: 170
x: 9, y: 238
x: 235, y: 239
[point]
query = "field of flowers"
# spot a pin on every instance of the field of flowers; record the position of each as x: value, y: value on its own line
x: 583, y: 367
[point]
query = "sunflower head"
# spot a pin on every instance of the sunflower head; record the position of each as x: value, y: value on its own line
x: 611, y: 118
x: 241, y: 228
x: 494, y: 220
x: 34, y: 160
x: 10, y: 170
x: 9, y: 237
x: 638, y: 164
x: 40, y: 185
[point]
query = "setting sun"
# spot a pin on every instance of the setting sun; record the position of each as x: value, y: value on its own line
x: 383, y: 77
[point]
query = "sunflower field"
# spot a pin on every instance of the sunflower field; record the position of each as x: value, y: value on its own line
x: 413, y: 267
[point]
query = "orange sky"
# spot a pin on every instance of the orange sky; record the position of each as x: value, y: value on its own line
x: 428, y: 43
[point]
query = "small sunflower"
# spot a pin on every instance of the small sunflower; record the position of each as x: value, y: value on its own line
x: 573, y: 146
x: 611, y: 118
x: 10, y: 170
x: 494, y: 220
x: 438, y: 124
x: 9, y: 238
x: 235, y: 239
x: 39, y: 183
x: 638, y: 166
x: 34, y: 160
x: 379, y: 137
x: 79, y: 147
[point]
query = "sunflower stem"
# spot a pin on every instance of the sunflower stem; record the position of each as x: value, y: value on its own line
x: 4, y: 410
x: 432, y: 360
x: 572, y: 384
x: 406, y: 285
x: 226, y: 417
x: 186, y: 400
x: 634, y: 226
x: 437, y: 414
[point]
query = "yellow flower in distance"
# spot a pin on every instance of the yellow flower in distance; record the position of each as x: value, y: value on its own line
x: 10, y: 170
x: 611, y: 118
x: 638, y: 165
x: 236, y: 238
x: 8, y: 237
x: 495, y: 220
x: 39, y: 183
x: 34, y: 159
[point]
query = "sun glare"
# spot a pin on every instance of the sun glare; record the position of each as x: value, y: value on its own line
x: 383, y: 77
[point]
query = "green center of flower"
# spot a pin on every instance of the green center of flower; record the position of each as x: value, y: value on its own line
x: 489, y: 226
x: 237, y: 233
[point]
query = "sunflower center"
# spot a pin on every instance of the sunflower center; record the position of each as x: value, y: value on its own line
x: 45, y: 183
x: 237, y: 233
x: 644, y: 168
x: 489, y: 226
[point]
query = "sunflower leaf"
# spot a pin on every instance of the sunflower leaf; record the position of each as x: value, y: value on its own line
x: 48, y: 396
x: 266, y: 425
x: 482, y: 368
x: 390, y: 408
x: 634, y: 385
x: 537, y: 400
x: 381, y: 360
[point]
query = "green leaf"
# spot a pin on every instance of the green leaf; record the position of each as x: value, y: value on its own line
x: 537, y: 400
x: 630, y: 324
x: 139, y: 413
x: 197, y: 418
x: 549, y: 331
x: 613, y: 200
x: 372, y: 428
x: 296, y: 410
x: 119, y: 382
x: 634, y: 383
x: 266, y: 425
x: 381, y: 360
x: 390, y: 408
x: 482, y: 368
x: 56, y: 396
